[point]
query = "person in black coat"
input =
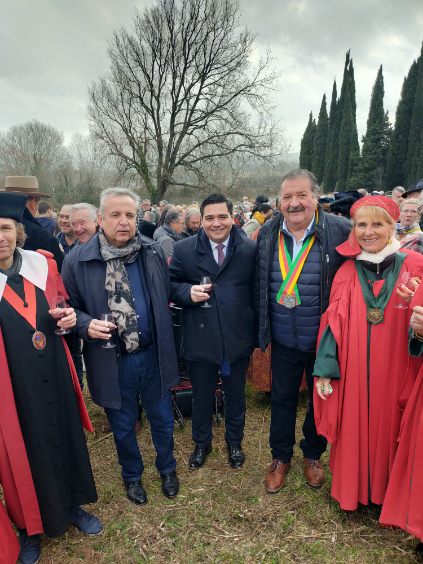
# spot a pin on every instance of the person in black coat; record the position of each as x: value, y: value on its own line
x: 37, y: 236
x: 219, y: 337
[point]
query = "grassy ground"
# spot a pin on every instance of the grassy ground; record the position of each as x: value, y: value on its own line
x: 223, y: 515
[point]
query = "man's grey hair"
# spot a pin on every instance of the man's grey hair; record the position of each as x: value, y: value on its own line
x: 303, y: 173
x: 190, y: 212
x: 84, y: 206
x: 150, y: 216
x: 172, y: 216
x: 398, y: 189
x: 111, y: 192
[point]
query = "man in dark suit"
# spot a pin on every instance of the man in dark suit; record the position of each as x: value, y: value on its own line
x: 37, y: 236
x: 219, y: 337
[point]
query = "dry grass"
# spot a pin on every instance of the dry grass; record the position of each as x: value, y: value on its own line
x: 223, y: 515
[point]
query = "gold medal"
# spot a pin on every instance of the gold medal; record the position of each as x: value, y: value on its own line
x: 289, y: 301
x: 39, y: 340
x: 374, y: 315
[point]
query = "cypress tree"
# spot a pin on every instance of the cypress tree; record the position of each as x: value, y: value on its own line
x: 307, y: 143
x: 345, y: 135
x: 376, y: 140
x: 398, y: 147
x: 320, y: 142
x: 354, y: 156
x: 331, y: 158
x: 414, y: 164
x: 348, y: 147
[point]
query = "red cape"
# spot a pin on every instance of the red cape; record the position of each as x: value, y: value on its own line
x: 8, y: 542
x: 361, y: 420
x: 15, y: 473
x: 403, y: 505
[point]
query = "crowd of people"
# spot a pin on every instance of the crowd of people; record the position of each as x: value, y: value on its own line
x: 324, y: 289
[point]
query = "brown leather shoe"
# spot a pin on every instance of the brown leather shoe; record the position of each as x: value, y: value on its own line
x: 313, y: 472
x: 275, y: 477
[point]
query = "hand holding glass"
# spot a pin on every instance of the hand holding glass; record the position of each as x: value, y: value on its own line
x: 109, y: 318
x: 206, y: 281
x: 58, y: 310
x: 404, y: 282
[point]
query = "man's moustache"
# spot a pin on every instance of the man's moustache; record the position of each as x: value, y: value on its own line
x: 297, y: 209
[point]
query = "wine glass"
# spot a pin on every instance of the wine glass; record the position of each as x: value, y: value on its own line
x: 403, y: 280
x: 58, y: 310
x: 204, y: 280
x: 109, y: 318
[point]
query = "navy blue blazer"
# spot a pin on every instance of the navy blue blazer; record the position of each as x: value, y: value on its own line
x: 225, y: 330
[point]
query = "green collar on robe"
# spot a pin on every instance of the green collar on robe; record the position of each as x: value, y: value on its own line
x: 390, y: 276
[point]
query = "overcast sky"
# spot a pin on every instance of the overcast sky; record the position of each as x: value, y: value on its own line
x: 50, y: 50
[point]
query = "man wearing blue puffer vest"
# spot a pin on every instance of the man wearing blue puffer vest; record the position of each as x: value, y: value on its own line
x: 296, y: 263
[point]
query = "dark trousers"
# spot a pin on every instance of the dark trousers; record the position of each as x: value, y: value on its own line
x: 139, y: 378
x: 288, y: 366
x: 203, y: 376
x: 77, y: 360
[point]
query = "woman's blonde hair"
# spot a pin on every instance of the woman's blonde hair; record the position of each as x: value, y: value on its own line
x: 374, y: 212
x: 413, y: 202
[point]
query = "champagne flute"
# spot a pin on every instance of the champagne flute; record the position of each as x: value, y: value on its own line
x: 205, y: 280
x: 58, y: 310
x: 403, y: 280
x: 109, y: 318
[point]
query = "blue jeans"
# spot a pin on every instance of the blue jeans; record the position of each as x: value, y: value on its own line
x: 139, y: 378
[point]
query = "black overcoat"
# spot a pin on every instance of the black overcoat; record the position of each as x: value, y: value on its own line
x: 38, y: 237
x: 225, y: 330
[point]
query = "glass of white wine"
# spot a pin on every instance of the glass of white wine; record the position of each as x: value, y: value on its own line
x: 206, y: 280
x: 109, y: 318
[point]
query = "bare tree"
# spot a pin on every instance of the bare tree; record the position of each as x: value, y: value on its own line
x: 33, y: 148
x: 181, y: 92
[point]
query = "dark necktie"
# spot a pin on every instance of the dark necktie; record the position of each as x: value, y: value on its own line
x: 220, y: 254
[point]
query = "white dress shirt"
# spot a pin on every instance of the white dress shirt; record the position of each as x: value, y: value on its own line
x: 214, y: 248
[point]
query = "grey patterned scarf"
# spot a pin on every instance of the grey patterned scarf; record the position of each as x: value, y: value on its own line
x: 119, y: 293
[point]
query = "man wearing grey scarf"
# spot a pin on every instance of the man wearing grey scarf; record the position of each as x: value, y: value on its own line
x: 122, y: 273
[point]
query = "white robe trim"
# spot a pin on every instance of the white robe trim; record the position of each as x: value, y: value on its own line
x: 34, y: 268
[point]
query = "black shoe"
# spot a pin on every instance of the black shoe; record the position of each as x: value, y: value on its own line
x: 419, y: 551
x: 136, y: 493
x: 170, y: 484
x: 85, y: 522
x: 198, y: 457
x: 236, y: 456
x: 30, y: 548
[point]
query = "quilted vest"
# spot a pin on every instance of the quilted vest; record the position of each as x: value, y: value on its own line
x: 297, y: 328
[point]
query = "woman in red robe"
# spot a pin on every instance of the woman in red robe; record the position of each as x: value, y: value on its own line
x: 403, y: 505
x: 363, y: 358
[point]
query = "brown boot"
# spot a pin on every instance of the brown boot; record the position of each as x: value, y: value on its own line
x: 313, y: 472
x: 275, y: 477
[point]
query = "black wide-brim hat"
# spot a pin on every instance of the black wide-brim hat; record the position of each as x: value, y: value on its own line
x: 12, y: 205
x: 417, y: 188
